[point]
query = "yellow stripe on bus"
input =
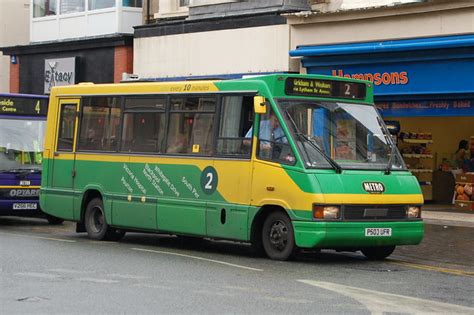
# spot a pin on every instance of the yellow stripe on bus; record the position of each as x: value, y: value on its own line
x: 272, y: 185
x: 286, y: 193
x: 19, y: 186
x: 94, y: 157
x: 374, y: 199
x: 134, y: 88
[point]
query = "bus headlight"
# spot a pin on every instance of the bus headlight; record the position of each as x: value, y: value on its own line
x: 326, y: 212
x: 413, y: 212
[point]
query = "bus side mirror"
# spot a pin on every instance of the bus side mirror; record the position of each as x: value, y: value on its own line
x: 259, y: 105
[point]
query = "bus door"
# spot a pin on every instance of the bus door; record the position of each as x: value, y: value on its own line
x: 228, y: 182
x: 63, y: 171
x: 273, y: 154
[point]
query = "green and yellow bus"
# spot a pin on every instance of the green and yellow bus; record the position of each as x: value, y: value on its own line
x: 281, y: 161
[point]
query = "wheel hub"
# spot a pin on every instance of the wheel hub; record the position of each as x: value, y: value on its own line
x: 279, y: 235
x: 97, y: 220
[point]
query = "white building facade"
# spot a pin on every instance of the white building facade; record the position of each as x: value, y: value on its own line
x: 53, y: 20
x: 14, y: 30
x: 90, y: 39
x: 220, y: 38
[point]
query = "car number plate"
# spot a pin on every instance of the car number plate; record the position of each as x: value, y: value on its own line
x: 378, y: 232
x: 25, y: 206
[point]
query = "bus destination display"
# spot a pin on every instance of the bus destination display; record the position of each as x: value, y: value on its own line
x: 23, y: 106
x: 324, y: 88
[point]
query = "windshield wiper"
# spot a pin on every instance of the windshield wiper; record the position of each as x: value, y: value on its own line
x: 388, y: 169
x: 300, y: 136
x: 315, y: 146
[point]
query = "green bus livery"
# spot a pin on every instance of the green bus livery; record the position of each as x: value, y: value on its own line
x: 280, y: 161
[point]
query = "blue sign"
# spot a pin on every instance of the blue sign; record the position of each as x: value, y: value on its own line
x: 407, y: 78
x: 432, y: 65
x: 427, y: 108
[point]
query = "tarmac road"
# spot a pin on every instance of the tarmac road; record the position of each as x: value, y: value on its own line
x: 51, y: 269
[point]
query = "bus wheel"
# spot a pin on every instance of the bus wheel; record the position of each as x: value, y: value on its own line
x: 53, y: 220
x: 94, y: 221
x: 377, y: 253
x: 278, y: 237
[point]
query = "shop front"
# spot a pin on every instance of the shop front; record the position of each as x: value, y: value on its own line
x: 426, y: 87
x: 37, y: 67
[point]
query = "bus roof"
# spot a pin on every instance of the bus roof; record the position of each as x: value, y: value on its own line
x: 23, y: 95
x: 280, y: 85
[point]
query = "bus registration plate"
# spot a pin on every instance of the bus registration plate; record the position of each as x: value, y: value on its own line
x: 25, y: 206
x: 378, y: 232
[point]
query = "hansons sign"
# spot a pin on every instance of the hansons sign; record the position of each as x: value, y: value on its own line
x: 59, y: 72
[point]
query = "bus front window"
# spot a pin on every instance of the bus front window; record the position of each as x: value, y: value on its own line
x: 341, y: 135
x: 21, y: 144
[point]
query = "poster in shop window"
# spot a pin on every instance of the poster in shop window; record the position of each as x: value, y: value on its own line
x: 345, y: 146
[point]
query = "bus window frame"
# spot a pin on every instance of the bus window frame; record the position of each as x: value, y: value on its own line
x: 272, y: 107
x: 168, y: 96
x: 134, y: 110
x: 247, y: 156
x: 62, y: 102
x: 215, y: 121
x: 80, y: 114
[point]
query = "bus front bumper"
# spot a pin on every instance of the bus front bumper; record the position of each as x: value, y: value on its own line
x: 19, y: 207
x: 353, y: 234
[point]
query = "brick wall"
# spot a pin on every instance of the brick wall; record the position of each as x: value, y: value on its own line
x: 123, y: 62
x: 15, y: 77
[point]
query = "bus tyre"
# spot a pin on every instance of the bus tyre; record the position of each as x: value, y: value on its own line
x: 278, y: 237
x: 53, y: 220
x: 377, y: 253
x: 96, y: 225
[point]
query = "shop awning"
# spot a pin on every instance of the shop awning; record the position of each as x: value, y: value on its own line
x: 441, y: 67
x: 385, y: 46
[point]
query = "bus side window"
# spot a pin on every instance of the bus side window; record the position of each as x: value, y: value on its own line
x: 67, y: 121
x: 100, y: 123
x: 234, y: 122
x: 272, y: 141
x: 143, y: 124
x: 191, y: 125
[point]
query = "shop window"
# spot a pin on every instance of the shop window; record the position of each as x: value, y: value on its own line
x: 101, y: 4
x: 132, y: 3
x: 72, y: 6
x: 44, y: 8
x: 235, y: 120
x: 100, y: 124
x: 191, y: 125
x: 143, y: 125
x: 183, y: 3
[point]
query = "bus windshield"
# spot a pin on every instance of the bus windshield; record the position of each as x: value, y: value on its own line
x: 340, y: 135
x: 21, y: 144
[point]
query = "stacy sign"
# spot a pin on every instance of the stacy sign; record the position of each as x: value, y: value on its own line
x: 59, y: 72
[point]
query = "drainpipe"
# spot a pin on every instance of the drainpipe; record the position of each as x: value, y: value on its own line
x: 148, y: 12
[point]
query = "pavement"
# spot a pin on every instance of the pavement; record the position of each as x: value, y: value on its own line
x: 447, y: 215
